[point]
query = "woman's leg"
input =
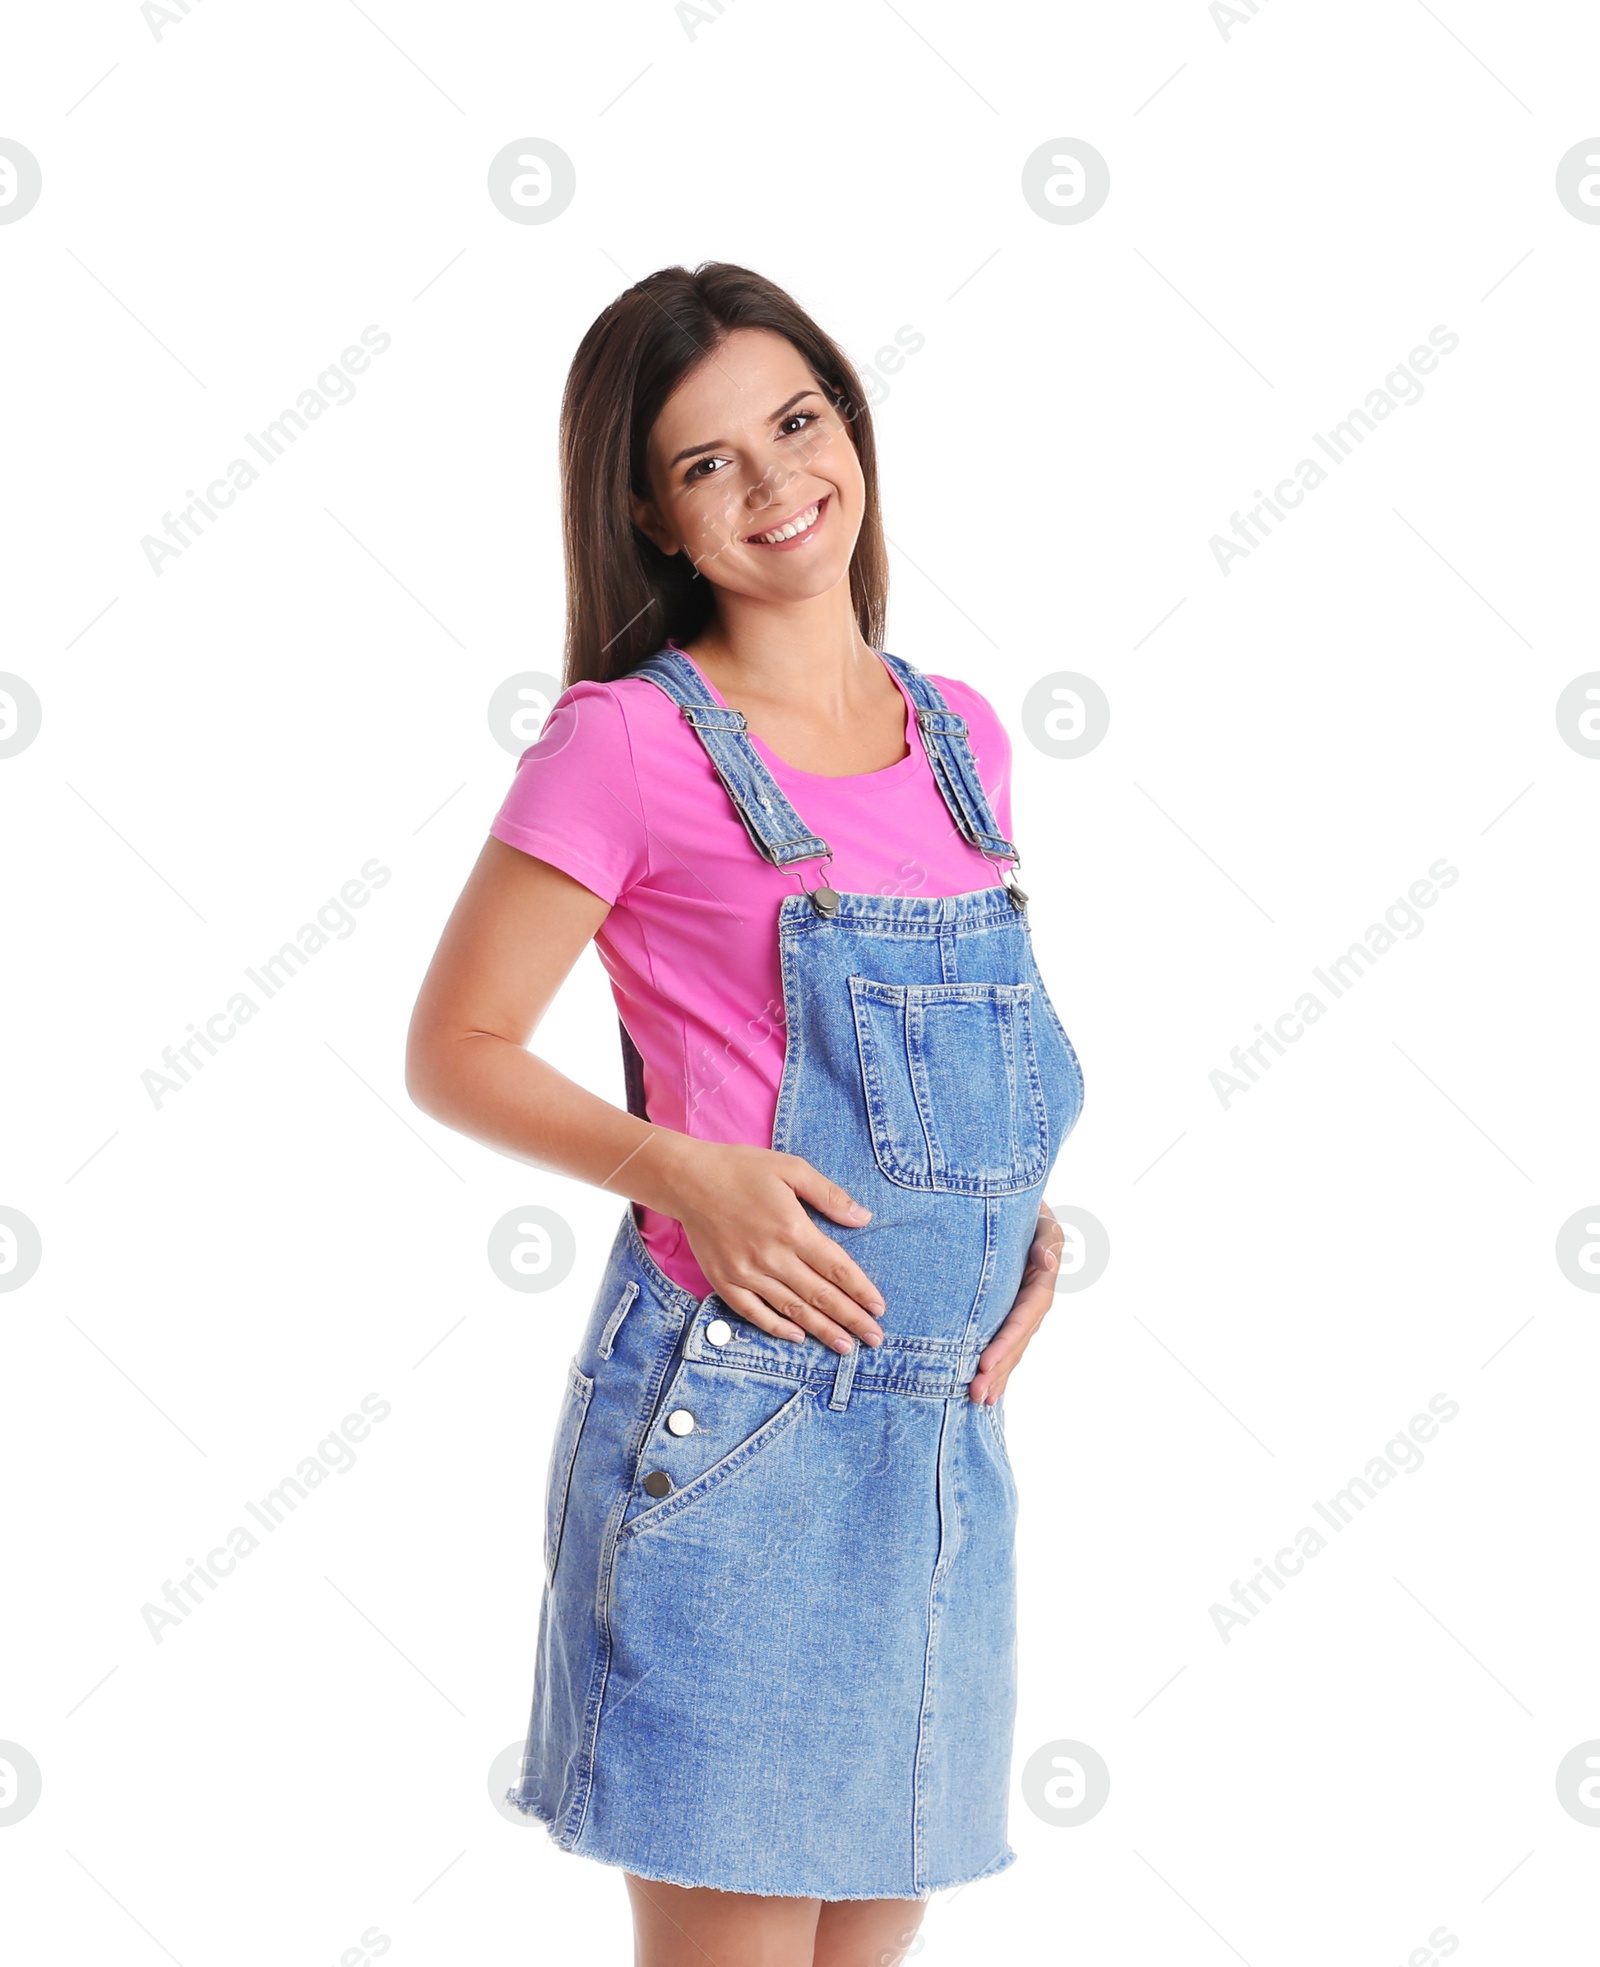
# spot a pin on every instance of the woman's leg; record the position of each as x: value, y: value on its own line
x: 866, y: 1932
x: 681, y: 1926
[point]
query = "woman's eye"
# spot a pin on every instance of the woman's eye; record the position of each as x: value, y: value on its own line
x: 796, y: 421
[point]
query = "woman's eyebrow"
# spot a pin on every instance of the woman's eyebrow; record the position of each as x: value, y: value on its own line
x: 783, y: 410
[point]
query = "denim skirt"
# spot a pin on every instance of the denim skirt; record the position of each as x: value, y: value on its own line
x: 776, y: 1650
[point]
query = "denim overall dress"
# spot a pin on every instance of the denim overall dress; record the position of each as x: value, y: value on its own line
x: 776, y: 1647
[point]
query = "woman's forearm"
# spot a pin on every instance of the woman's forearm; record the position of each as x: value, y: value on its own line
x: 510, y: 1099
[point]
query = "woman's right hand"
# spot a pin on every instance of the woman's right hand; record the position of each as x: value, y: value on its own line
x: 764, y: 1256
x: 516, y: 932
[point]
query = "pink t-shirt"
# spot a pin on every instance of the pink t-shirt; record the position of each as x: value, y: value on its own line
x: 619, y: 793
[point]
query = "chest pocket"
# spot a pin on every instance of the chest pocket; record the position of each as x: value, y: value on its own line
x: 952, y: 1086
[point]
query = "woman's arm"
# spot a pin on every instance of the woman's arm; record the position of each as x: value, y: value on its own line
x: 511, y: 940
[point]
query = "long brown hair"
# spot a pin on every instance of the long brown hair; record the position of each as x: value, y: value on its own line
x: 625, y: 597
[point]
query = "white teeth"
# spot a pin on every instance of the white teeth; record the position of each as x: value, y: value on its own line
x: 807, y: 518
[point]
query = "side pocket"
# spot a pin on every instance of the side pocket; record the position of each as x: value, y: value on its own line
x: 569, y: 1429
x: 726, y: 1422
x: 997, y: 1433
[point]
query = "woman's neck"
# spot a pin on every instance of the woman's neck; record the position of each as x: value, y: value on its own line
x: 819, y: 696
x: 812, y: 650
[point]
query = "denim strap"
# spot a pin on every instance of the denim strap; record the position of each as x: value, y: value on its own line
x: 772, y: 823
x: 944, y: 738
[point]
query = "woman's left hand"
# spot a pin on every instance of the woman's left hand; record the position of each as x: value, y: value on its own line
x: 1026, y: 1314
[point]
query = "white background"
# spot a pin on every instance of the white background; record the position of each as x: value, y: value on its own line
x: 1294, y: 205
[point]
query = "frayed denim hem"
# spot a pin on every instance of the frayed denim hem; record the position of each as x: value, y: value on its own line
x: 656, y: 1876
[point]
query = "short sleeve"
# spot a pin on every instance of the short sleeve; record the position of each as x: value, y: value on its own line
x: 575, y: 801
x: 990, y: 742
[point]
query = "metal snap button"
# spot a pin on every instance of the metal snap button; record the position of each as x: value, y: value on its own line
x: 719, y: 1331
x: 658, y: 1483
x: 681, y: 1421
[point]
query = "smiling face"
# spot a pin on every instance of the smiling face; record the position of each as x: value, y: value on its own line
x: 753, y: 470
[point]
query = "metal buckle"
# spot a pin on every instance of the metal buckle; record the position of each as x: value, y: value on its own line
x: 824, y: 900
x: 691, y: 713
x: 1015, y: 891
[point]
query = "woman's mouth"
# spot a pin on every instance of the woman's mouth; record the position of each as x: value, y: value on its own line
x: 793, y: 531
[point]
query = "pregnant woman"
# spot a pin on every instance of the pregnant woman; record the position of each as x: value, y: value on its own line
x: 775, y: 1678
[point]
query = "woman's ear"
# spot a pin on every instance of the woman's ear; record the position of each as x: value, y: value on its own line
x: 647, y: 518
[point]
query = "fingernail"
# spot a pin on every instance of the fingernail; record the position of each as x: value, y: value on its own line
x: 843, y: 1345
